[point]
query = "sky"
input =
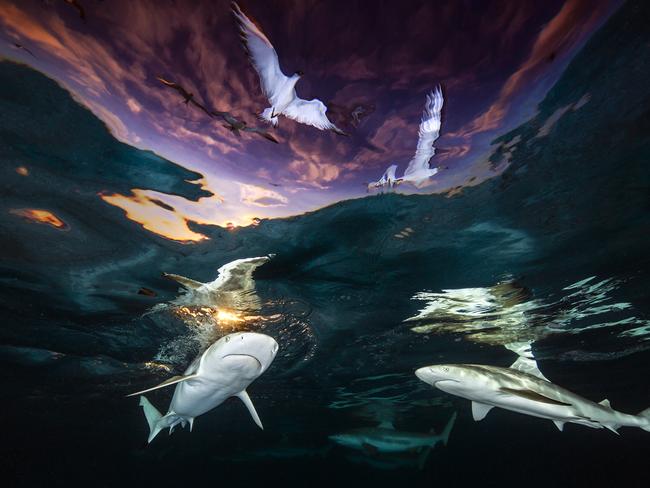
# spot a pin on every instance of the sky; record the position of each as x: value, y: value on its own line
x: 494, y: 59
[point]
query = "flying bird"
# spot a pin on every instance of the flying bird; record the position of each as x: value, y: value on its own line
x: 188, y: 97
x: 20, y: 46
x: 418, y: 171
x: 351, y: 115
x: 387, y: 179
x: 235, y: 125
x: 79, y: 7
x: 278, y: 88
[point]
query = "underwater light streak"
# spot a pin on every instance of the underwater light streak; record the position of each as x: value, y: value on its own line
x: 38, y: 216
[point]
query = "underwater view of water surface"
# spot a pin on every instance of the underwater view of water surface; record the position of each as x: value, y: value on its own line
x: 325, y: 243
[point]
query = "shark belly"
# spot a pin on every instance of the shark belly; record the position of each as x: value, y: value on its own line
x: 196, y: 397
x: 200, y: 395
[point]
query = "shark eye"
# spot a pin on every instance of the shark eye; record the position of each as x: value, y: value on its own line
x: 227, y: 338
x: 445, y: 369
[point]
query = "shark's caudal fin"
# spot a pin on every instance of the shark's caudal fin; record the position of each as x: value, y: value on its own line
x: 266, y: 116
x: 645, y: 414
x: 448, y: 427
x: 186, y: 282
x: 153, y: 417
x: 444, y: 437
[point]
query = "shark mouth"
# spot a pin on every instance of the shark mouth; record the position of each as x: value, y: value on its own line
x: 259, y: 363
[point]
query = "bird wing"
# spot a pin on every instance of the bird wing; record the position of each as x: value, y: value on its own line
x: 202, y: 107
x: 235, y: 285
x: 173, y: 85
x: 265, y: 134
x: 238, y: 275
x: 310, y: 112
x: 390, y: 172
x: 261, y: 53
x: 428, y: 133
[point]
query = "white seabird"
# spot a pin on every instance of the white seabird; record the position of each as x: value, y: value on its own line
x: 278, y: 88
x: 418, y: 171
x: 387, y: 179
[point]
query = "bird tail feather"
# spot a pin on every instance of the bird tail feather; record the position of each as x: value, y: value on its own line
x: 267, y: 116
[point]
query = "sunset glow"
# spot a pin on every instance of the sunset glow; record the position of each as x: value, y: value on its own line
x: 40, y: 217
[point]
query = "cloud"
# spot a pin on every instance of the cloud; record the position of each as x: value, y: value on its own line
x: 568, y: 28
x: 134, y: 106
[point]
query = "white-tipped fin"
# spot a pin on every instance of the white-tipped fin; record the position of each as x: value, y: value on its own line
x: 480, y: 410
x: 612, y: 428
x: 559, y: 424
x: 605, y: 403
x: 171, y: 381
x: 153, y: 416
x: 526, y: 365
x: 243, y: 396
x: 191, y: 422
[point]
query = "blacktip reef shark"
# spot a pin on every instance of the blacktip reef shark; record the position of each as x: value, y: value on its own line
x: 224, y: 370
x: 523, y: 388
x: 234, y: 287
x: 385, y: 439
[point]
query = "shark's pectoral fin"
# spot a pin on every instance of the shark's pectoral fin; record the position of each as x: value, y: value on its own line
x: 171, y: 381
x: 534, y: 396
x: 612, y: 428
x: 386, y: 424
x: 559, y: 424
x: 243, y: 396
x: 605, y: 403
x: 186, y: 282
x: 480, y: 410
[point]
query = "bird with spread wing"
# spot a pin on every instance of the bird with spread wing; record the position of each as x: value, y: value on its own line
x: 278, y: 88
x: 188, y: 97
x: 235, y: 125
x: 418, y: 171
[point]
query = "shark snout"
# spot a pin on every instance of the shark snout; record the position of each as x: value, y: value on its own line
x: 436, y: 373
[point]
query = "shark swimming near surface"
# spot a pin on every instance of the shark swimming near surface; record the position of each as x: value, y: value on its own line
x: 224, y: 370
x: 523, y: 388
x: 385, y: 439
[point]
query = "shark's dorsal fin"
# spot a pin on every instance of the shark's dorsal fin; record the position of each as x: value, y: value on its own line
x: 186, y: 282
x: 605, y: 403
x: 171, y: 381
x: 386, y: 424
x: 526, y: 365
x: 243, y: 396
x: 480, y: 410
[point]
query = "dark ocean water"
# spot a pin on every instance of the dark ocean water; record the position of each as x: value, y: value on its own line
x: 552, y: 254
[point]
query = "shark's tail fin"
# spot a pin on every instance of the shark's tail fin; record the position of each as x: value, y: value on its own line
x: 268, y: 116
x: 448, y: 427
x: 424, y: 455
x: 153, y: 418
x: 645, y: 414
